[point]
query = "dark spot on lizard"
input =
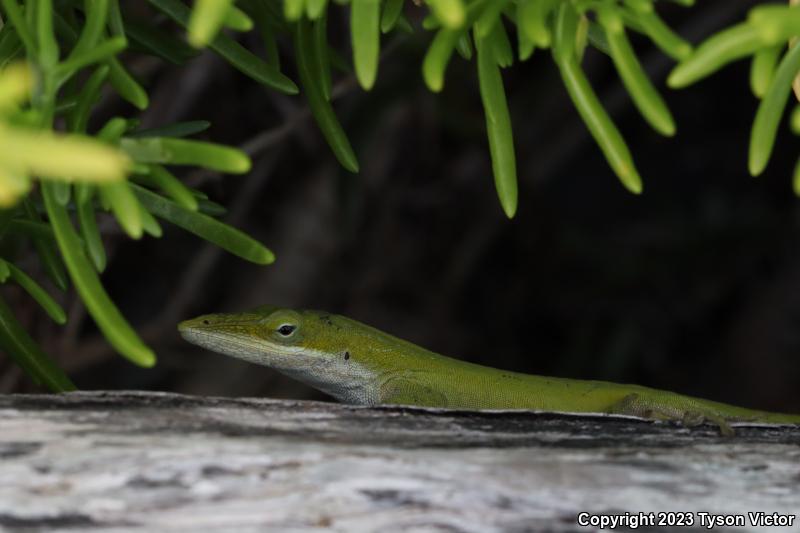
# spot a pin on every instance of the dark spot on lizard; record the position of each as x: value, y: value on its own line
x: 205, y: 322
x: 346, y: 355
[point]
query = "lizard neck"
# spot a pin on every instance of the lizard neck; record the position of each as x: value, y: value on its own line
x: 353, y: 361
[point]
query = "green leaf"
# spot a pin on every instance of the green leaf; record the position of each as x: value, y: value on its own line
x: 645, y: 96
x: 762, y: 69
x: 770, y: 111
x: 293, y: 9
x: 321, y: 59
x: 212, y: 209
x: 320, y: 107
x: 101, y: 52
x: 124, y: 206
x: 65, y: 156
x: 62, y: 192
x: 532, y: 20
x: 93, y: 27
x: 451, y: 13
x: 45, y: 36
x: 17, y: 19
x: 150, y: 224
x: 127, y: 87
x: 489, y: 18
x: 16, y: 342
x: 775, y: 23
x: 315, y: 8
x: 566, y: 28
x: 586, y: 102
x: 5, y: 272
x: 437, y: 58
x: 79, y: 116
x: 501, y: 46
x: 796, y: 179
x: 392, y: 9
x: 365, y: 35
x: 172, y: 187
x: 178, y: 129
x: 464, y: 46
x: 212, y: 230
x: 596, y: 36
x: 13, y: 186
x: 55, y: 311
x: 171, y: 151
x: 668, y: 41
x: 498, y: 126
x: 84, y: 194
x: 239, y: 57
x: 268, y: 27
x: 115, y: 22
x: 206, y: 20
x: 30, y: 229
x: 45, y: 248
x: 16, y: 84
x: 10, y: 45
x: 794, y: 120
x: 157, y: 42
x: 237, y: 20
x: 717, y: 51
x: 99, y: 305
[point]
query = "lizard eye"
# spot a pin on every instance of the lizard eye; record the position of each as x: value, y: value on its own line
x: 286, y: 329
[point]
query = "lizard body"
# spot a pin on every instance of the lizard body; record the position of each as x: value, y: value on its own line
x: 359, y: 364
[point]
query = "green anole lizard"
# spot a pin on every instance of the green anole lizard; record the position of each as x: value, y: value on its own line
x: 361, y: 365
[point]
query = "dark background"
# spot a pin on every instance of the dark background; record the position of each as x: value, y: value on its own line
x: 694, y: 286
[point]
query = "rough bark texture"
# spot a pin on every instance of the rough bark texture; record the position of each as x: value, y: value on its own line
x: 161, y: 462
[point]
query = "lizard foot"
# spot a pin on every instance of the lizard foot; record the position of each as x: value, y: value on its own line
x: 634, y: 405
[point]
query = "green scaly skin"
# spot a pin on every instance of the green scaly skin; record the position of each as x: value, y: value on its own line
x: 361, y: 365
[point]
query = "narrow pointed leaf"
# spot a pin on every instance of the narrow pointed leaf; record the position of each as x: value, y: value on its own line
x: 365, y: 34
x: 16, y: 342
x: 234, y: 53
x: 172, y: 151
x: 451, y: 13
x: 51, y: 307
x: 770, y: 111
x: 99, y: 305
x: 320, y: 107
x: 717, y: 51
x: 172, y: 187
x: 84, y: 194
x: 210, y: 229
x: 124, y: 206
x: 45, y: 248
x: 762, y: 69
x: 392, y: 9
x: 206, y: 20
x: 645, y: 96
x: 498, y: 126
x: 178, y: 129
x: 126, y: 86
x: 589, y: 107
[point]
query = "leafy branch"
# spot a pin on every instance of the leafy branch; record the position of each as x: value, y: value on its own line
x: 57, y: 57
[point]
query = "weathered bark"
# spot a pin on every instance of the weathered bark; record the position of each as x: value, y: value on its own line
x: 159, y: 462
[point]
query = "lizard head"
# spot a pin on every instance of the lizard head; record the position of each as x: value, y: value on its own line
x: 311, y: 346
x: 268, y: 335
